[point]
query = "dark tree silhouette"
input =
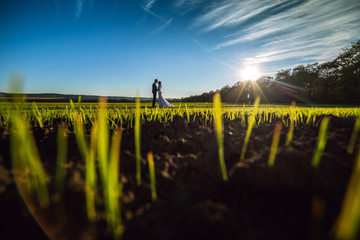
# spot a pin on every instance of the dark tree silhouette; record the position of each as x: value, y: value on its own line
x: 336, y: 82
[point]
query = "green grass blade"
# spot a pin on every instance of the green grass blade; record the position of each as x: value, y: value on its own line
x: 243, y: 123
x: 79, y: 101
x: 219, y: 132
x: 80, y: 136
x: 274, y: 144
x: 249, y: 129
x: 103, y: 140
x: 113, y: 186
x: 152, y: 175
x: 321, y: 142
x: 137, y: 132
x: 347, y: 225
x: 289, y: 135
x: 90, y: 174
x: 26, y: 149
x: 354, y: 134
x: 37, y: 114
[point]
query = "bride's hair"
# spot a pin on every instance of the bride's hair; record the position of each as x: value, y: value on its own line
x: 160, y: 83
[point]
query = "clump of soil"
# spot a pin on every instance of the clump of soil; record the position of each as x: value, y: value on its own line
x: 291, y: 200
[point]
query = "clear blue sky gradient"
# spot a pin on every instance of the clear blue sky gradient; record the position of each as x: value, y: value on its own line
x: 113, y: 47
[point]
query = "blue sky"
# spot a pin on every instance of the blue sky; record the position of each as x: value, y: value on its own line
x: 113, y: 47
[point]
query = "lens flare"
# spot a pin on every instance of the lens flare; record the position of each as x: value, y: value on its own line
x: 250, y: 74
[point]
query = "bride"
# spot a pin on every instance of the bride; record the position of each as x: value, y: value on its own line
x: 162, y: 100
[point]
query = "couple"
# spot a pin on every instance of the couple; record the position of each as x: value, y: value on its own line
x: 156, y: 87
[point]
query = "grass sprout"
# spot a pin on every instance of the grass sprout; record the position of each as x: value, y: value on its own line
x: 137, y: 132
x: 28, y: 170
x: 274, y: 144
x: 152, y: 175
x: 88, y: 155
x: 321, y: 142
x: 354, y: 134
x: 243, y: 123
x: 80, y: 135
x: 249, y: 129
x: 37, y: 114
x: 290, y: 133
x: 114, y: 187
x: 103, y: 142
x: 218, y: 125
x: 90, y: 173
x: 347, y: 224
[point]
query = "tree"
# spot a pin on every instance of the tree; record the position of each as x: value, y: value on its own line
x: 348, y: 71
x: 335, y: 81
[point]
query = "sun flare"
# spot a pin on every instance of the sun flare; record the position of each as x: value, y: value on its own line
x: 250, y: 73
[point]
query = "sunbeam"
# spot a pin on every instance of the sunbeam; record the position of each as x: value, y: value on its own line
x: 257, y: 90
x: 292, y: 90
x: 242, y: 86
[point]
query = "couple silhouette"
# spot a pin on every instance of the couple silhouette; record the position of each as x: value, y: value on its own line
x: 156, y: 88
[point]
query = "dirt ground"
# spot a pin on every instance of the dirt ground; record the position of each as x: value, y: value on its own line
x: 291, y: 200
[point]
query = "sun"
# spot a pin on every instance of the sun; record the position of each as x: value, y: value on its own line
x: 250, y: 73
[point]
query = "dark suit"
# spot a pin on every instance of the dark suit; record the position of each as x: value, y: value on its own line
x: 154, y: 90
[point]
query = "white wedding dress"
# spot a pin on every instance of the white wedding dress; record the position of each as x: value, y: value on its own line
x: 162, y: 100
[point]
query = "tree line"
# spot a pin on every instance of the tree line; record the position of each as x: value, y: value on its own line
x: 333, y: 82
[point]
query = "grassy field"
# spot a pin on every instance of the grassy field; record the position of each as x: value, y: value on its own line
x: 122, y: 114
x: 247, y: 147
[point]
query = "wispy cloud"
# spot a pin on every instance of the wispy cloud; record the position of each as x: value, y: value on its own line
x: 162, y: 27
x: 147, y: 5
x: 225, y: 64
x: 232, y: 13
x: 79, y: 6
x: 307, y: 30
x: 185, y: 6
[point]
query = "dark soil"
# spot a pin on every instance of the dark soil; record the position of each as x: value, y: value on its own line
x: 291, y: 200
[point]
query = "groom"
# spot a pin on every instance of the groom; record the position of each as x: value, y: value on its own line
x: 154, y: 90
